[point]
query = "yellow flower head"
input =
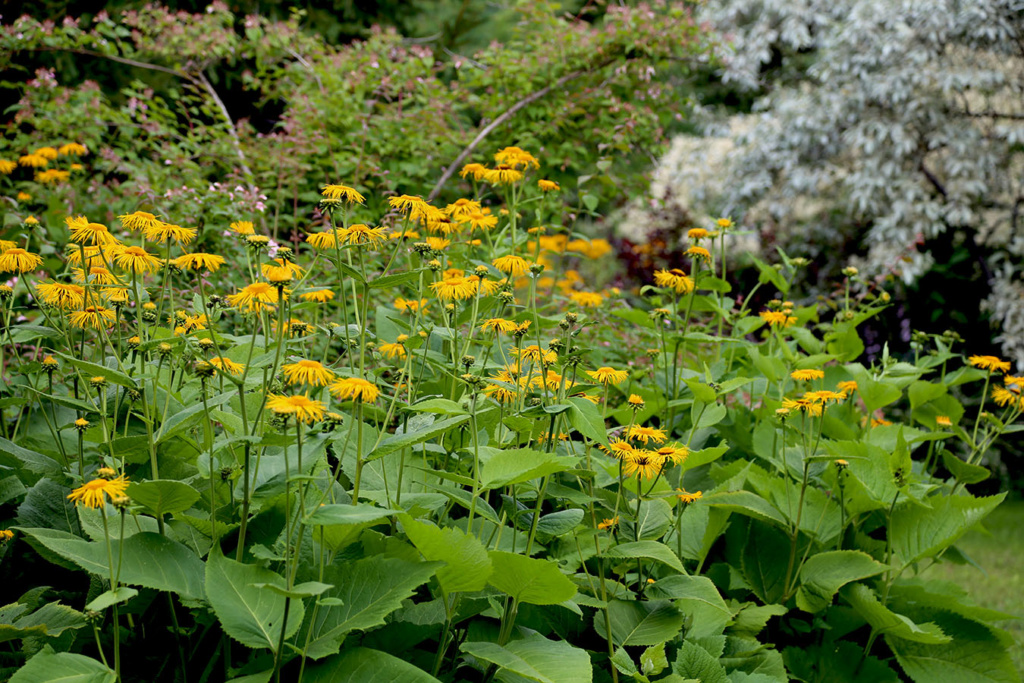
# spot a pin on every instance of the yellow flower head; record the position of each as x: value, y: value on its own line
x: 410, y: 306
x: 136, y: 260
x: 363, y: 234
x: 674, y: 453
x: 167, y: 232
x: 608, y: 523
x: 227, y: 366
x: 199, y: 261
x: 355, y: 389
x: 7, y: 167
x: 699, y: 253
x: 688, y: 498
x: 990, y: 363
x: 481, y: 221
x: 642, y: 463
x: 139, y: 220
x: 503, y: 175
x: 475, y: 171
x: 450, y: 288
x: 19, y: 261
x: 697, y: 234
x: 548, y: 185
x: 33, y: 160
x: 309, y: 372
x: 438, y: 243
x: 72, y: 149
x: 324, y: 240
x: 498, y: 325
x: 84, y: 232
x: 303, y: 408
x: 342, y: 193
x: 254, y: 298
x: 535, y: 354
x: 674, y: 279
x: 645, y: 434
x: 393, y: 350
x: 516, y: 266
x: 280, y: 270
x: 92, y: 494
x: 847, y: 387
x: 320, y: 296
x: 516, y: 157
x: 243, y: 228
x: 587, y: 299
x: 777, y: 318
x: 807, y: 375
x: 606, y: 375
x: 52, y: 176
x: 943, y: 421
x: 61, y: 295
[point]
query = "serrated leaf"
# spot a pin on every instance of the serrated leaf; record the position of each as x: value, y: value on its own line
x: 467, y: 564
x: 506, y: 468
x: 114, y: 597
x: 530, y: 580
x: 651, y: 550
x: 640, y: 623
x: 698, y: 598
x: 535, y: 658
x: 93, y: 370
x: 397, y: 442
x: 48, y: 666
x: 163, y: 496
x: 885, y: 621
x: 824, y: 574
x: 919, y: 532
x: 696, y: 663
x: 363, y: 665
x: 341, y: 513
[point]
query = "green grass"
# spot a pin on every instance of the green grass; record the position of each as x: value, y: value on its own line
x: 999, y: 584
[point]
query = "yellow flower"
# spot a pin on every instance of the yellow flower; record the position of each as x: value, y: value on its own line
x: 1007, y: 396
x: 642, y: 463
x: 309, y: 372
x: 363, y: 234
x: 52, y: 176
x: 7, y: 167
x: 343, y: 193
x: 136, y: 260
x: 847, y: 387
x: 500, y: 393
x: 6, y: 535
x: 456, y: 288
x: 410, y: 306
x: 674, y: 453
x: 548, y: 185
x: 31, y: 220
x: 697, y: 233
x: 503, y: 175
x: 516, y: 266
x: 880, y: 422
x: 608, y: 523
x: 409, y: 205
x: 516, y: 157
x: 688, y: 498
x: 699, y: 253
x: 395, y: 350
x: 437, y: 243
x: 72, y: 149
x: 645, y: 434
x: 724, y: 223
x: 92, y: 493
x: 533, y: 353
x: 84, y: 232
x: 280, y: 270
x: 943, y: 421
x: 255, y: 297
x: 356, y: 389
x: 97, y: 275
x: 990, y: 363
x: 476, y: 171
x: 18, y: 261
x: 226, y: 365
x: 442, y: 224
x: 674, y: 279
x: 165, y: 232
x: 324, y: 240
x: 302, y: 407
x: 50, y: 153
x: 481, y: 221
x: 199, y: 261
x: 587, y: 299
x: 777, y: 318
x: 33, y: 160
x: 139, y: 220
x: 606, y: 375
x: 635, y: 401
x: 243, y: 227
x: 498, y: 325
x: 321, y: 296
x: 61, y: 295
x: 22, y: 196
x: 807, y: 375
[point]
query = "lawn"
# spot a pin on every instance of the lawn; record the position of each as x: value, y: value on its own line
x: 999, y: 584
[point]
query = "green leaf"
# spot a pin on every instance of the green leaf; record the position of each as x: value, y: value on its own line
x: 397, y: 442
x: 653, y: 660
x: 586, y: 419
x: 919, y: 532
x: 340, y: 513
x: 369, y: 590
x: 651, y: 550
x: 438, y: 406
x: 150, y: 560
x: 468, y: 565
x: 747, y: 503
x: 834, y: 663
x: 640, y: 623
x: 976, y: 654
x: 50, y: 620
x: 108, y: 598
x: 529, y: 580
x: 698, y: 598
x: 558, y: 523
x: 362, y: 665
x: 695, y: 663
x: 183, y: 420
x: 704, y: 456
x: 163, y: 496
x: 885, y: 621
x: 763, y: 565
x: 93, y: 370
x: 824, y: 574
x: 389, y: 281
x: 875, y: 393
x: 768, y: 274
x: 308, y: 589
x: 535, y: 658
x: 250, y: 615
x: 506, y: 468
x: 652, y: 522
x: 965, y: 473
x: 48, y: 666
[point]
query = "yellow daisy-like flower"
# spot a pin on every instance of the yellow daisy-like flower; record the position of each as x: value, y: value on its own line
x: 880, y: 422
x: 807, y: 375
x: 498, y: 325
x: 52, y: 176
x: 1006, y: 396
x: 535, y: 354
x: 635, y: 401
x: 92, y: 317
x: 61, y: 295
x: 548, y: 186
x: 475, y: 171
x: 587, y: 299
x: 943, y: 421
x: 7, y: 245
x: 7, y: 167
x: 642, y: 463
x: 724, y: 223
x: 320, y: 296
x: 516, y: 157
x: 136, y: 260
x: 516, y: 266
x: 199, y: 261
x: 72, y: 149
x: 363, y: 234
x: 392, y: 350
x: 444, y: 225
x: 674, y: 279
x: 461, y: 208
x: 355, y: 389
x: 503, y: 175
x: 409, y: 204
x: 645, y: 434
x: 608, y: 523
x: 438, y: 243
x: 847, y: 387
x: 500, y: 392
x: 166, y: 232
x: 243, y: 228
x: 452, y: 288
x: 280, y: 270
x: 990, y: 363
x: 481, y: 221
x: 674, y: 453
x: 97, y: 275
x: 139, y: 220
x: 309, y: 372
x: 33, y: 160
x: 84, y: 232
x: 342, y: 193
x: 18, y: 260
x: 227, y: 366
x: 619, y: 448
x: 777, y: 318
x: 699, y: 253
x: 606, y: 375
x: 50, y: 153
x: 324, y: 240
x: 302, y: 407
x: 688, y: 498
x: 696, y: 234
x: 254, y: 298
x: 93, y: 494
x: 410, y: 305
x: 31, y: 221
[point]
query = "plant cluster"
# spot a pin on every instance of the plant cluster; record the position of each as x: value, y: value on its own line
x: 432, y: 443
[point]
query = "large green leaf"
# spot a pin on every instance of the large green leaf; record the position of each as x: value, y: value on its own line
x: 652, y: 521
x: 885, y: 621
x: 764, y: 561
x: 651, y: 550
x: 695, y: 663
x: 397, y: 442
x: 698, y: 598
x: 977, y: 654
x: 535, y: 658
x: 362, y: 665
x: 90, y: 370
x: 340, y: 513
x: 248, y: 614
x: 149, y: 560
x: 919, y: 532
x: 506, y: 468
x: 839, y: 662
x: 640, y: 623
x: 824, y: 574
x: 467, y: 563
x: 747, y: 503
x: 51, y: 619
x: 17, y: 458
x: 163, y: 496
x: 530, y: 580
x: 369, y: 590
x: 183, y: 420
x: 48, y: 666
x: 586, y: 419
